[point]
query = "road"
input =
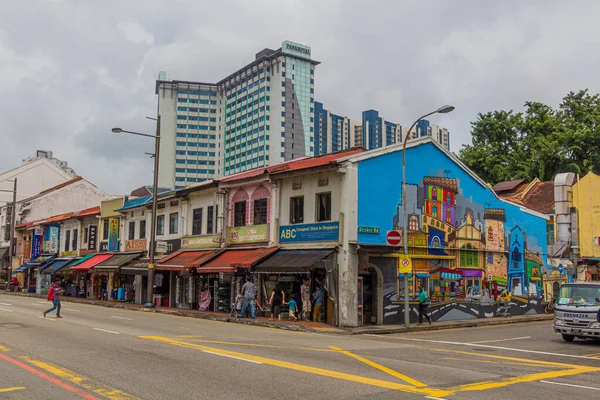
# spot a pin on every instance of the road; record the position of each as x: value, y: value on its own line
x: 98, y: 353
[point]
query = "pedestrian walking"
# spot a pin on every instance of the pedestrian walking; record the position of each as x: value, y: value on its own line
x: 293, y: 309
x: 318, y: 296
x: 305, y: 296
x: 54, y: 296
x: 423, y: 304
x: 277, y: 299
x: 249, y: 295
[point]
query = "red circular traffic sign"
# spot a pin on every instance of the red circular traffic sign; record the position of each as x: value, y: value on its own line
x: 405, y: 263
x: 393, y: 238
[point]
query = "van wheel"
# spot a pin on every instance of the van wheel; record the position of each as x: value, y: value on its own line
x: 568, y: 338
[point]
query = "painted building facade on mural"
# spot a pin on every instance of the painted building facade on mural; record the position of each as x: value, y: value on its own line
x: 474, y: 240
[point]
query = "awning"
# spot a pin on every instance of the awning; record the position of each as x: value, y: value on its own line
x: 139, y: 267
x: 116, y: 261
x: 81, y: 260
x: 91, y: 262
x: 41, y: 261
x: 3, y: 252
x: 56, y: 265
x: 476, y: 273
x: 451, y: 276
x: 183, y: 259
x: 418, y: 275
x: 25, y: 267
x: 292, y: 261
x: 230, y: 260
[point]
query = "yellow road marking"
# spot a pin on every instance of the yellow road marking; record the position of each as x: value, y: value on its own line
x: 594, y: 355
x: 79, y: 380
x: 480, y: 327
x: 189, y: 336
x: 498, y: 362
x: 12, y: 389
x: 305, y: 368
x: 426, y: 391
x: 5, y: 349
x: 380, y: 367
x: 270, y: 346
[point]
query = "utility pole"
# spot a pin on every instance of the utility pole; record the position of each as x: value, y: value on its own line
x: 11, y: 234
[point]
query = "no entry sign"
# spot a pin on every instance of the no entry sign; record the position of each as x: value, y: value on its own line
x: 393, y: 238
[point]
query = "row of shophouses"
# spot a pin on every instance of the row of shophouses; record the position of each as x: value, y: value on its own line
x: 331, y: 218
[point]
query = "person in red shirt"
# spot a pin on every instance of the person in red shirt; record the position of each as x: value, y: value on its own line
x: 54, y: 296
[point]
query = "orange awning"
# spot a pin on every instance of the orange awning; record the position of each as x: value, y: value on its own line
x: 230, y: 260
x: 184, y: 259
x: 91, y: 262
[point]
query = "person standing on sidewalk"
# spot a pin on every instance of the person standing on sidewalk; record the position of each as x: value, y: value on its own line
x: 318, y: 304
x: 249, y: 294
x: 54, y: 296
x: 423, y: 304
x: 305, y: 296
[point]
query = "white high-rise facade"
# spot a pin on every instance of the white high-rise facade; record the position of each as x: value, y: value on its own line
x: 260, y: 115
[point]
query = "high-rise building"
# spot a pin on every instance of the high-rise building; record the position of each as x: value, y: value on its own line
x: 260, y: 115
x: 425, y: 128
x: 332, y: 132
x: 377, y: 132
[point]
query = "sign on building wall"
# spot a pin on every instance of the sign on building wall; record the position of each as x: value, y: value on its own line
x: 36, y: 243
x: 8, y: 230
x: 92, y: 238
x: 103, y: 247
x: 136, y: 245
x: 53, y: 239
x: 249, y: 234
x: 199, y: 242
x: 113, y: 235
x: 324, y: 231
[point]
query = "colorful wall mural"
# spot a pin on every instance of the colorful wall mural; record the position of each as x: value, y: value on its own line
x: 467, y: 238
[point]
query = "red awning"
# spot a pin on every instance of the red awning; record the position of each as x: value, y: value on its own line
x: 183, y: 259
x: 91, y: 262
x: 230, y: 260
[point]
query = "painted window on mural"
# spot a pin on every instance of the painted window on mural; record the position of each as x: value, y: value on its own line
x: 448, y: 199
x: 448, y: 215
x: 490, y: 258
x: 436, y: 242
x: 468, y: 256
x: 516, y: 257
x: 490, y: 233
x: 413, y: 223
x: 433, y: 193
x: 239, y: 213
x: 434, y: 211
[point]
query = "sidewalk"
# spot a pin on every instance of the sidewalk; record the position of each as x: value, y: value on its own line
x: 301, y: 326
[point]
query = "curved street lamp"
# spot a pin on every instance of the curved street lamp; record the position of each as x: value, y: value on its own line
x: 442, y: 110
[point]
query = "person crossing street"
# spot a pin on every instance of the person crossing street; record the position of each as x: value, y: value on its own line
x: 54, y: 296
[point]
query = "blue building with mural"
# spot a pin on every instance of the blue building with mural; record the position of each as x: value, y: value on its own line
x: 454, y: 222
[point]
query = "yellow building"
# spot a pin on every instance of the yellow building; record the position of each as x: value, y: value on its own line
x: 587, y: 202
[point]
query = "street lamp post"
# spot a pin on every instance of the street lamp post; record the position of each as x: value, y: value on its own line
x: 149, y: 300
x: 11, y: 234
x: 442, y: 110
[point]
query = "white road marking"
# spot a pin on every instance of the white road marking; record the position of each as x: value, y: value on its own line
x: 434, y: 398
x: 4, y: 309
x: 47, y: 319
x: 502, y: 340
x: 568, y: 384
x: 106, y: 330
x: 70, y: 309
x: 42, y: 302
x: 128, y: 319
x: 237, y: 358
x: 487, y: 347
x: 5, y: 304
x: 39, y: 305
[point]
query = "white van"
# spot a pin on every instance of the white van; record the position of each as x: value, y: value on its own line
x: 576, y: 311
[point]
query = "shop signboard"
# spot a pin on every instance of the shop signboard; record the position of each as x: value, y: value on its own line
x: 113, y: 235
x: 68, y: 253
x: 173, y: 245
x: 249, y: 234
x: 92, y: 238
x: 136, y: 245
x: 8, y: 222
x: 199, y: 242
x: 161, y: 247
x: 320, y: 232
x: 36, y: 243
x: 103, y: 247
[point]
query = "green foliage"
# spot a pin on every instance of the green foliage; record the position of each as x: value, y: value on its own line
x: 540, y: 142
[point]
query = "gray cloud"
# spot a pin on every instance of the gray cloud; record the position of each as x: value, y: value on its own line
x: 71, y: 70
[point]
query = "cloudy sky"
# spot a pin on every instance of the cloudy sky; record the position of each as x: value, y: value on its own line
x: 71, y: 70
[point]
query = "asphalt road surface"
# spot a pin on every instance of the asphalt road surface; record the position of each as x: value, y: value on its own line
x: 102, y: 353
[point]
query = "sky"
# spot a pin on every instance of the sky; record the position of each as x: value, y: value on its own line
x: 71, y: 70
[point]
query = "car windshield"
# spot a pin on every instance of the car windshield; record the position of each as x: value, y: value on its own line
x: 579, y: 295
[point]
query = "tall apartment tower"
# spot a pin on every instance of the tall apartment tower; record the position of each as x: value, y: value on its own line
x: 377, y: 132
x: 332, y: 132
x: 260, y: 115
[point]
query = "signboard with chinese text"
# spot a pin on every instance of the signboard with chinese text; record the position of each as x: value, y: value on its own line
x: 249, y: 234
x: 199, y: 242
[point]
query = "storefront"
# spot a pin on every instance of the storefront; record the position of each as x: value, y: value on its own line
x: 27, y: 274
x: 83, y: 269
x: 107, y: 284
x: 182, y: 287
x: 290, y: 268
x: 134, y: 278
x: 223, y: 276
x: 51, y: 272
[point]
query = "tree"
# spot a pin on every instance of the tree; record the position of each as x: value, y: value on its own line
x: 540, y: 142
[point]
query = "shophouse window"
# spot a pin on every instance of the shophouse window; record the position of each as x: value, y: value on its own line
x: 105, y: 230
x: 260, y: 211
x: 85, y: 234
x: 323, y: 207
x: 173, y: 223
x: 160, y: 225
x: 297, y: 210
x: 67, y: 240
x: 197, y: 221
x: 131, y: 230
x: 209, y: 219
x: 75, y: 238
x: 143, y: 229
x: 239, y: 213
